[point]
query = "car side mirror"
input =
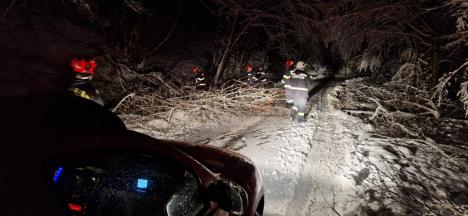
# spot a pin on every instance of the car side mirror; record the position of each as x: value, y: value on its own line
x: 230, y: 196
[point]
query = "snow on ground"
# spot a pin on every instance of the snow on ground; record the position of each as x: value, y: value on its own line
x: 329, y: 165
x: 307, y: 167
x: 414, y: 173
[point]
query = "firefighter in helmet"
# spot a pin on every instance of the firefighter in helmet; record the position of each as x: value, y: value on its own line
x: 251, y: 78
x: 260, y: 75
x: 81, y: 83
x: 285, y: 81
x: 297, y: 88
x: 200, y: 80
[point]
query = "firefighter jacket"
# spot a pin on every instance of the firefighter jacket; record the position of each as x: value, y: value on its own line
x: 83, y: 88
x: 285, y: 79
x: 251, y: 78
x: 200, y: 80
x: 261, y: 76
x: 297, y: 80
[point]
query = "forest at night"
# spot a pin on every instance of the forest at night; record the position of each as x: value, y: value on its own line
x: 284, y: 107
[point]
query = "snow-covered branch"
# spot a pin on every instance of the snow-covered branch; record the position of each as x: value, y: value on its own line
x: 232, y: 100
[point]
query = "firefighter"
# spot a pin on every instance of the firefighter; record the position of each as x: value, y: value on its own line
x: 298, y: 89
x: 200, y: 80
x: 81, y: 83
x: 260, y: 75
x: 285, y: 81
x: 251, y: 78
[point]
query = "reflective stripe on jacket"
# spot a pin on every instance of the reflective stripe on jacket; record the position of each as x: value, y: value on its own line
x: 200, y: 79
x: 298, y: 80
x: 84, y: 89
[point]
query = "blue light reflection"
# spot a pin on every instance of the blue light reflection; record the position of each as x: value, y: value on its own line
x: 58, y: 173
x: 142, y: 184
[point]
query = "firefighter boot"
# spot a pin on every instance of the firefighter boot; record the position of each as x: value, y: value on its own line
x: 293, y: 113
x: 289, y: 103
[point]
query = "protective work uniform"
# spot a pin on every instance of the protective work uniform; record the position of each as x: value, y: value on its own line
x: 251, y: 78
x: 200, y: 80
x: 81, y: 83
x: 285, y: 80
x: 260, y: 75
x: 297, y: 88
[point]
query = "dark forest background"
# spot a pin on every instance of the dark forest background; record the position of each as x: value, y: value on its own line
x: 423, y: 44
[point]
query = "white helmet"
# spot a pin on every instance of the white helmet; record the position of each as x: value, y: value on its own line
x: 300, y: 65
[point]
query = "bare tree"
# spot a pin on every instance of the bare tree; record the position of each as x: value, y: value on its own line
x: 235, y: 19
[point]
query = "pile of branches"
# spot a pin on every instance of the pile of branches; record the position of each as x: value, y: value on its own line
x: 414, y: 175
x: 405, y: 103
x: 116, y: 80
x: 231, y: 100
x: 392, y: 107
x: 459, y: 75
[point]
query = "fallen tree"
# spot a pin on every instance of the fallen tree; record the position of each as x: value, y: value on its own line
x: 418, y: 154
x: 228, y: 101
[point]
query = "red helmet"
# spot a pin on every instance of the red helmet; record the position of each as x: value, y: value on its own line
x: 196, y: 70
x: 248, y: 67
x: 82, y: 66
x: 289, y: 63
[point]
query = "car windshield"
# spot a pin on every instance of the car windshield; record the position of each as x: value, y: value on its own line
x: 127, y: 184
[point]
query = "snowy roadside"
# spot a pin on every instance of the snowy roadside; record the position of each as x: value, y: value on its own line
x: 410, y: 176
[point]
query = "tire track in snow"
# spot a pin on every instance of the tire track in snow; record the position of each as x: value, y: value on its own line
x: 315, y: 193
x: 279, y: 156
x: 305, y: 168
x: 328, y: 169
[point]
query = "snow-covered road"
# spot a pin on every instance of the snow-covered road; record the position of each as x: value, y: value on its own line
x: 308, y: 168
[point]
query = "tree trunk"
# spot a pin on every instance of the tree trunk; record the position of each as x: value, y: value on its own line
x: 222, y: 64
x: 435, y: 61
x: 435, y: 52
